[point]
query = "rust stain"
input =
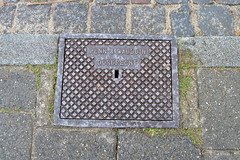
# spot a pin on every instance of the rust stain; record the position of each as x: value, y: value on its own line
x: 99, y: 87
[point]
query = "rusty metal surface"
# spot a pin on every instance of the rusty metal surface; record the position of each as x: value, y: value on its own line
x: 116, y: 81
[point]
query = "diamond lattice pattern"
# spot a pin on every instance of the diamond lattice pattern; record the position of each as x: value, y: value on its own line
x: 142, y: 94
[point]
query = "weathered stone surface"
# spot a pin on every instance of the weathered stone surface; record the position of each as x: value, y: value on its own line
x: 6, y: 17
x: 70, y: 18
x: 213, y: 51
x: 148, y: 20
x: 215, y: 20
x: 11, y: 1
x: 77, y: 1
x: 219, y: 108
x: 17, y: 88
x: 229, y: 2
x: 171, y: 1
x: 221, y: 155
x: 33, y: 19
x: 189, y: 104
x: 181, y: 25
x: 105, y: 2
x: 42, y: 112
x: 22, y: 49
x: 108, y: 19
x: 135, y: 144
x: 203, y: 1
x: 236, y: 11
x: 184, y: 8
x: 15, y: 136
x: 59, y: 144
x: 141, y: 1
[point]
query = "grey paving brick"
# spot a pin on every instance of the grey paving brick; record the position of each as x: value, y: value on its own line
x: 229, y: 2
x: 70, y: 18
x: 148, y: 20
x: 171, y: 1
x: 215, y: 20
x: 140, y: 1
x: 15, y: 136
x: 62, y: 145
x: 221, y: 155
x: 108, y: 19
x: 236, y: 15
x: 105, y: 2
x: 17, y: 88
x: 219, y: 108
x: 184, y: 8
x: 77, y: 1
x: 136, y: 144
x: 189, y: 104
x: 11, y: 1
x: 21, y: 49
x: 42, y: 113
x: 33, y: 19
x: 213, y: 51
x: 181, y: 25
x: 203, y: 1
x: 6, y: 17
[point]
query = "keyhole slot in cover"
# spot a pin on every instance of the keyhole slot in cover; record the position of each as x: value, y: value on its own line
x: 116, y: 73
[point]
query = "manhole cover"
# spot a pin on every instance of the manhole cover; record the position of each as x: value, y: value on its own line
x: 117, y: 81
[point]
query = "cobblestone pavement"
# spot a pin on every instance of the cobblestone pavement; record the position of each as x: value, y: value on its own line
x: 208, y: 30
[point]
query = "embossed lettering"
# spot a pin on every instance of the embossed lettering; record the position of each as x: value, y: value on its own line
x: 119, y: 50
x: 117, y: 56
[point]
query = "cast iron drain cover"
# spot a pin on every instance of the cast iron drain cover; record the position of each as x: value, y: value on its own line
x: 118, y: 81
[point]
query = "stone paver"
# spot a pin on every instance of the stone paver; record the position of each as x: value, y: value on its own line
x: 136, y: 144
x: 203, y: 1
x: 15, y: 136
x: 171, y: 1
x: 215, y: 20
x: 148, y: 20
x: 108, y: 19
x: 22, y: 49
x: 70, y: 18
x: 221, y: 155
x: 213, y: 51
x: 11, y: 1
x: 181, y: 25
x: 33, y: 19
x: 6, y: 17
x: 78, y: 1
x: 62, y: 145
x: 236, y: 14
x: 17, y: 88
x: 42, y: 112
x: 229, y: 2
x: 141, y: 1
x: 189, y: 104
x: 219, y: 108
x: 118, y: 2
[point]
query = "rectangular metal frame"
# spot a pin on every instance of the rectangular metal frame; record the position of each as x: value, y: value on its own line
x: 118, y: 123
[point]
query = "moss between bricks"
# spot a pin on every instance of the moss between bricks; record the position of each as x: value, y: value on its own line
x: 37, y: 69
x: 14, y: 110
x: 194, y: 134
x: 185, y: 63
x: 5, y: 110
x: 52, y: 91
